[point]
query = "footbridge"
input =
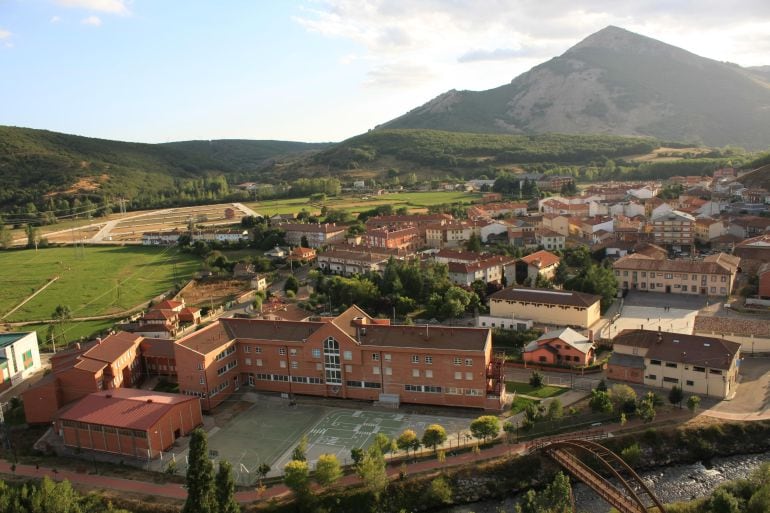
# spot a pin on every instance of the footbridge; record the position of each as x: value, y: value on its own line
x: 584, y: 459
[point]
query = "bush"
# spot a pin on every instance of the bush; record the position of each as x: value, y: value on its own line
x: 632, y: 454
x: 536, y: 380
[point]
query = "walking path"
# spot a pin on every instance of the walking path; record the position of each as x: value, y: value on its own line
x: 177, y: 491
x: 38, y: 291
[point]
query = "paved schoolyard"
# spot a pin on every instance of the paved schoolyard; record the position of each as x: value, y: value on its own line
x: 269, y: 429
x: 344, y: 429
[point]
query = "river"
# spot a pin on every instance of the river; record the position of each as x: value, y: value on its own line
x: 671, y: 484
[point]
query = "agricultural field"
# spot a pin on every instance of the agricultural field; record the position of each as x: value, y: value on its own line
x: 356, y: 203
x: 92, y: 281
x: 68, y: 332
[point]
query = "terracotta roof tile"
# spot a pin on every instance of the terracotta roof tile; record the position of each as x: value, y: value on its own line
x: 113, y: 346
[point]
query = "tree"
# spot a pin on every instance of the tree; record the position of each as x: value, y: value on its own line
x: 484, y: 427
x: 385, y: 444
x: 676, y: 395
x: 372, y: 471
x: 692, y: 403
x: 5, y: 236
x: 600, y: 402
x: 263, y: 470
x: 303, y: 242
x: 300, y: 451
x: 623, y: 398
x: 562, y: 273
x: 225, y: 489
x: 473, y: 243
x: 602, y: 386
x: 646, y: 410
x: 33, y: 236
x: 357, y: 455
x: 327, y: 469
x: 555, y: 498
x: 408, y: 441
x: 434, y: 436
x: 200, y: 476
x: 61, y: 315
x: 257, y: 304
x: 296, y: 476
x: 291, y: 284
x: 555, y: 410
x: 440, y: 491
x: 536, y: 379
x: 722, y: 501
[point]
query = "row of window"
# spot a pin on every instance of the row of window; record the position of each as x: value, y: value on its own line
x: 227, y: 352
x: 227, y: 367
x: 695, y: 368
x: 194, y: 393
x: 214, y: 391
x: 347, y: 355
x: 363, y: 384
x: 670, y: 276
x: 430, y: 389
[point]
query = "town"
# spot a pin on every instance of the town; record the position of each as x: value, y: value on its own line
x: 349, y: 328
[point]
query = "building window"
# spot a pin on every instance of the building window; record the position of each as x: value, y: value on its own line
x: 348, y: 355
x: 458, y: 361
x: 376, y: 370
x: 654, y: 362
x: 699, y: 369
x: 469, y: 362
x: 248, y: 361
x: 415, y: 373
x: 652, y: 376
x: 690, y: 383
x: 294, y: 365
x: 319, y: 366
x: 246, y: 349
x: 259, y: 362
x: 348, y: 368
x: 316, y: 353
x: 202, y: 381
x: 458, y: 375
x: 200, y: 366
x: 257, y: 349
x: 293, y: 352
x: 387, y: 357
x: 469, y: 376
x: 666, y: 379
x: 333, y: 369
x: 671, y: 365
x: 388, y: 371
x: 668, y: 276
x: 415, y: 358
x: 282, y: 351
x: 428, y: 360
x: 375, y: 357
x: 428, y: 373
x: 283, y: 364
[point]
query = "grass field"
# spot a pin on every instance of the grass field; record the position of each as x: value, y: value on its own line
x: 356, y: 204
x: 519, y: 404
x: 73, y: 331
x: 527, y: 389
x: 92, y: 281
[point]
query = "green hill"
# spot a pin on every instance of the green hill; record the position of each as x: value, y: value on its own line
x: 616, y: 82
x: 42, y: 170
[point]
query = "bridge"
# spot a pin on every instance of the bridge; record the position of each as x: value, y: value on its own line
x: 580, y: 455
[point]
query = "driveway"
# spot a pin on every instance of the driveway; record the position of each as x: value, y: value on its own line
x: 752, y: 395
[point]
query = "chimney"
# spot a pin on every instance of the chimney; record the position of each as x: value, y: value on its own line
x: 149, y: 400
x: 660, y: 336
x: 98, y: 341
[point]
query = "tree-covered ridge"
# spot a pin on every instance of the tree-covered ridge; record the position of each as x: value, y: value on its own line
x: 40, y: 167
x: 443, y: 148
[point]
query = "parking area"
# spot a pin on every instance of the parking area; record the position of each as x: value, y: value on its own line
x: 752, y: 395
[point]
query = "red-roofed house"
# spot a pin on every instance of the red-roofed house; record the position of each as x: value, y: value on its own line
x: 541, y: 263
x: 129, y: 422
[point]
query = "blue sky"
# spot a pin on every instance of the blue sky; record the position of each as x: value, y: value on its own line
x: 311, y: 70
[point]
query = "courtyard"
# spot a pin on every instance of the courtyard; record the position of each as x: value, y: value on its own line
x: 270, y: 428
x: 652, y: 310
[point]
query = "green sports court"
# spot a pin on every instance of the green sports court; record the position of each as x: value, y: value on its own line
x: 267, y: 432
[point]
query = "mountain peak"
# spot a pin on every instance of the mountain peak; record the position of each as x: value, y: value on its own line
x: 620, y: 39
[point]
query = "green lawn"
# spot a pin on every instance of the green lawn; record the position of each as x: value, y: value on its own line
x: 519, y: 404
x: 92, y: 280
x: 73, y: 331
x: 526, y: 389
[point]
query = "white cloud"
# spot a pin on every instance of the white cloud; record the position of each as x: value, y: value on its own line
x: 108, y: 6
x: 5, y: 34
x: 55, y: 19
x: 431, y: 45
x: 94, y: 21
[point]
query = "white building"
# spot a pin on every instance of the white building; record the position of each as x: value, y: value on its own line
x: 19, y: 357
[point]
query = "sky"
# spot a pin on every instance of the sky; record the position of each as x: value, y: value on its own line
x: 308, y: 70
